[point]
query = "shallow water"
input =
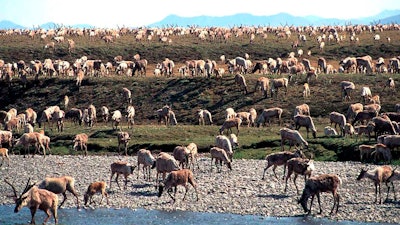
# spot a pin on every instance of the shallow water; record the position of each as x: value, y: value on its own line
x: 104, y: 216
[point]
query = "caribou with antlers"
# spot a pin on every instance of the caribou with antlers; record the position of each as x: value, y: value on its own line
x: 35, y: 198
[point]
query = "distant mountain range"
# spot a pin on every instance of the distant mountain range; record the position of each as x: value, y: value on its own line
x: 6, y: 24
x: 385, y: 17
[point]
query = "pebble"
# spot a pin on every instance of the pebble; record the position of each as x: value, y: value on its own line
x: 240, y: 191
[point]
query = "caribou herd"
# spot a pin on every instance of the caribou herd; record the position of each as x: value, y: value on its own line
x: 365, y: 117
x: 292, y: 63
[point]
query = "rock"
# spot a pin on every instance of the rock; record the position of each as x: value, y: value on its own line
x: 238, y: 191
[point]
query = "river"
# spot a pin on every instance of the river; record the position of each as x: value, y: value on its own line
x: 105, y: 216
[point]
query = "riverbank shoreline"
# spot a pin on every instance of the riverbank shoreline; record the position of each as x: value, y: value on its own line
x: 240, y: 191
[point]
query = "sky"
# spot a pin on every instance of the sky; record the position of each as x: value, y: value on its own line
x: 135, y: 13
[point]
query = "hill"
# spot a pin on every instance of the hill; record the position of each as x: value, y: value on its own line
x: 391, y: 19
x: 280, y: 19
x: 230, y: 21
x: 6, y: 24
x: 21, y: 47
x: 242, y: 19
x: 151, y: 93
x: 187, y: 95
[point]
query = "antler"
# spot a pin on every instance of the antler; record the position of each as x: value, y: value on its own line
x: 28, y: 186
x: 12, y: 186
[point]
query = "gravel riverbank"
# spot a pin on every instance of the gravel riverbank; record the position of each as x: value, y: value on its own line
x: 240, y: 191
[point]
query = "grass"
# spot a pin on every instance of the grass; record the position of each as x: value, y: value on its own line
x: 187, y: 95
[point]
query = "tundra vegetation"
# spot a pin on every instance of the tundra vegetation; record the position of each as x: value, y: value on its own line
x: 188, y: 94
